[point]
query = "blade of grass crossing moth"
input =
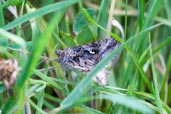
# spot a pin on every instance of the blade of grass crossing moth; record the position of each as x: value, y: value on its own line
x: 71, y: 99
x: 81, y: 88
x: 122, y: 41
x: 156, y: 91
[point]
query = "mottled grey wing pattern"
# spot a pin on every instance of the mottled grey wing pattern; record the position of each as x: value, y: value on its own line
x: 85, y: 57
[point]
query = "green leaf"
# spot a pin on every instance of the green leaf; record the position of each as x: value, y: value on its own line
x: 69, y: 41
x: 81, y: 20
x: 85, y: 36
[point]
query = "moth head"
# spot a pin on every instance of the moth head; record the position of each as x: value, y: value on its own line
x: 60, y: 54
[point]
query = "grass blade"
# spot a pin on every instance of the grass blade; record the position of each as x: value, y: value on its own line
x: 130, y: 102
x: 156, y: 91
x: 40, y: 12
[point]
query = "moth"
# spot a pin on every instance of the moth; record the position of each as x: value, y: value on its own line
x: 84, y: 57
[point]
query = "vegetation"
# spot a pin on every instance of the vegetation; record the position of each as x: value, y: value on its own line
x: 31, y: 31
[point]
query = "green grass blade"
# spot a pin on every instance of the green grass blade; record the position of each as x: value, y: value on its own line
x: 40, y: 101
x: 153, y: 10
x: 36, y: 107
x: 86, y: 81
x: 47, y: 79
x: 141, y: 13
x: 156, y: 91
x: 162, y: 45
x: 40, y: 12
x: 126, y: 19
x: 13, y: 38
x: 168, y: 8
x: 2, y: 21
x: 166, y: 76
x: 103, y: 17
x: 36, y: 52
x: 129, y: 102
